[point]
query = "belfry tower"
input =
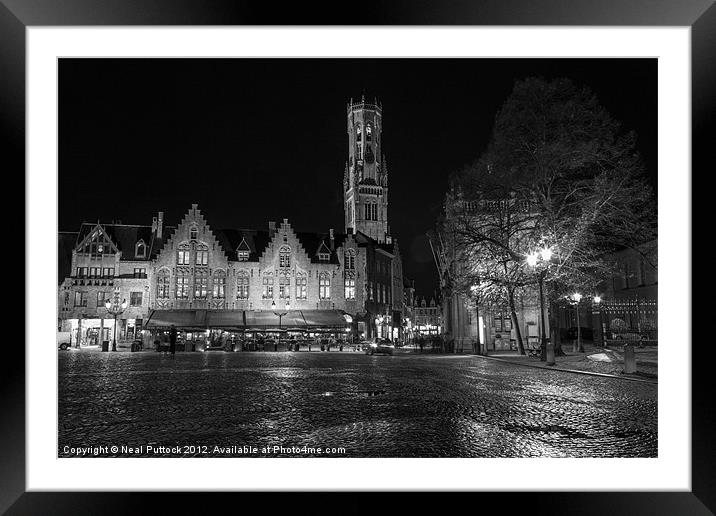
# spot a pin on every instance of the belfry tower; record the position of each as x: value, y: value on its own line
x: 365, y: 182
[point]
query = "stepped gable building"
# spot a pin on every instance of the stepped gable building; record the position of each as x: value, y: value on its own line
x: 201, y: 278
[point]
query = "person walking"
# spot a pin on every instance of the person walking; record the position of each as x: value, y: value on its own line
x: 172, y: 340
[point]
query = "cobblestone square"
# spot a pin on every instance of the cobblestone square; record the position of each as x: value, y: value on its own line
x: 366, y: 406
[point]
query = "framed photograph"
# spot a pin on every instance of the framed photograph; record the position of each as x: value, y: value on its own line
x: 290, y: 254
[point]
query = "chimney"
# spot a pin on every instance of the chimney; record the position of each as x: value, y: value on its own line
x: 160, y: 224
x: 154, y: 224
x: 330, y: 232
x: 272, y: 226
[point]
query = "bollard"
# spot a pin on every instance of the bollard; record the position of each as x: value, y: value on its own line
x: 629, y: 359
x: 550, y: 354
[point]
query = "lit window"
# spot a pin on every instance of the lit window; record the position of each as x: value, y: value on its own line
x: 284, y: 288
x: 140, y: 252
x: 80, y: 298
x: 201, y: 285
x: 242, y: 286
x: 202, y: 257
x: 301, y: 283
x: 182, y: 287
x: 359, y: 133
x: 100, y: 299
x: 219, y: 287
x: 368, y: 134
x: 285, y: 257
x: 350, y: 288
x: 163, y: 284
x: 140, y: 273
x: 268, y: 287
x: 324, y: 286
x: 183, y: 255
x: 243, y: 256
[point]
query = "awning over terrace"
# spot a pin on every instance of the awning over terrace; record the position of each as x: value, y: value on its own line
x: 266, y: 320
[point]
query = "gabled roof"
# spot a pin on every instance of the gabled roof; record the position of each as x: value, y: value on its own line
x: 230, y: 240
x: 65, y: 245
x: 312, y: 242
x: 126, y: 237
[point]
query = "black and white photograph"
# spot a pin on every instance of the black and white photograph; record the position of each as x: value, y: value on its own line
x: 357, y: 258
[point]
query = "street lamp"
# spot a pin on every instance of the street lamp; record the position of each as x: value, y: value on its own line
x: 475, y: 292
x: 544, y: 256
x: 280, y: 315
x: 576, y: 298
x: 115, y: 307
x: 597, y: 301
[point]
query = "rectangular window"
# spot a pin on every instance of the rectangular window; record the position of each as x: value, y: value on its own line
x: 350, y: 288
x: 243, y: 256
x: 182, y: 289
x: 375, y: 211
x: 80, y: 298
x: 81, y: 272
x: 100, y: 299
x: 324, y: 287
x: 95, y: 272
x: 242, y: 287
x: 284, y: 260
x: 182, y: 257
x: 301, y: 288
x: 108, y: 272
x: 268, y: 287
x: 284, y: 288
x: 219, y: 290
x: 135, y: 298
x: 201, y: 287
x: 140, y: 273
x: 202, y: 257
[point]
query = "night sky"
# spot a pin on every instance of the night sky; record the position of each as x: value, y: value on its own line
x: 253, y: 140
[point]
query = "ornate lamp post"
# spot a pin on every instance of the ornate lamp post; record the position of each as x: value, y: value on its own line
x: 475, y: 292
x: 280, y: 315
x: 540, y: 260
x: 597, y: 302
x: 115, y: 307
x: 576, y: 298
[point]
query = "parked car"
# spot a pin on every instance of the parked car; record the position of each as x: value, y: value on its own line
x: 64, y: 340
x: 378, y: 346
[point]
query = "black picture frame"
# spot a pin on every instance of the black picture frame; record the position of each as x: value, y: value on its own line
x: 17, y: 15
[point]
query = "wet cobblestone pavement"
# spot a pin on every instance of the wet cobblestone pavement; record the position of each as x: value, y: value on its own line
x: 371, y: 406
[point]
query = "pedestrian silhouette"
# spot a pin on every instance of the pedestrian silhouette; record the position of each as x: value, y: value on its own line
x: 172, y: 340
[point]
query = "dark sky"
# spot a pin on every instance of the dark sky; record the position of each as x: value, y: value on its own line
x: 253, y: 140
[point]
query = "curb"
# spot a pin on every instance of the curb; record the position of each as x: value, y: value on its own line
x: 576, y: 371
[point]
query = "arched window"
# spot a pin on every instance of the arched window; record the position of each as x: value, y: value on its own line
x: 284, y: 256
x: 349, y: 260
x: 359, y: 133
x: 183, y: 254
x: 163, y: 284
x: 140, y: 249
x: 242, y: 285
x: 193, y: 233
x: 368, y: 133
x: 202, y: 255
x: 324, y: 286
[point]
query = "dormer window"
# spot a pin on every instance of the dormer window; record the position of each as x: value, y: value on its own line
x: 243, y: 256
x: 140, y: 250
x: 193, y: 233
x: 324, y: 257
